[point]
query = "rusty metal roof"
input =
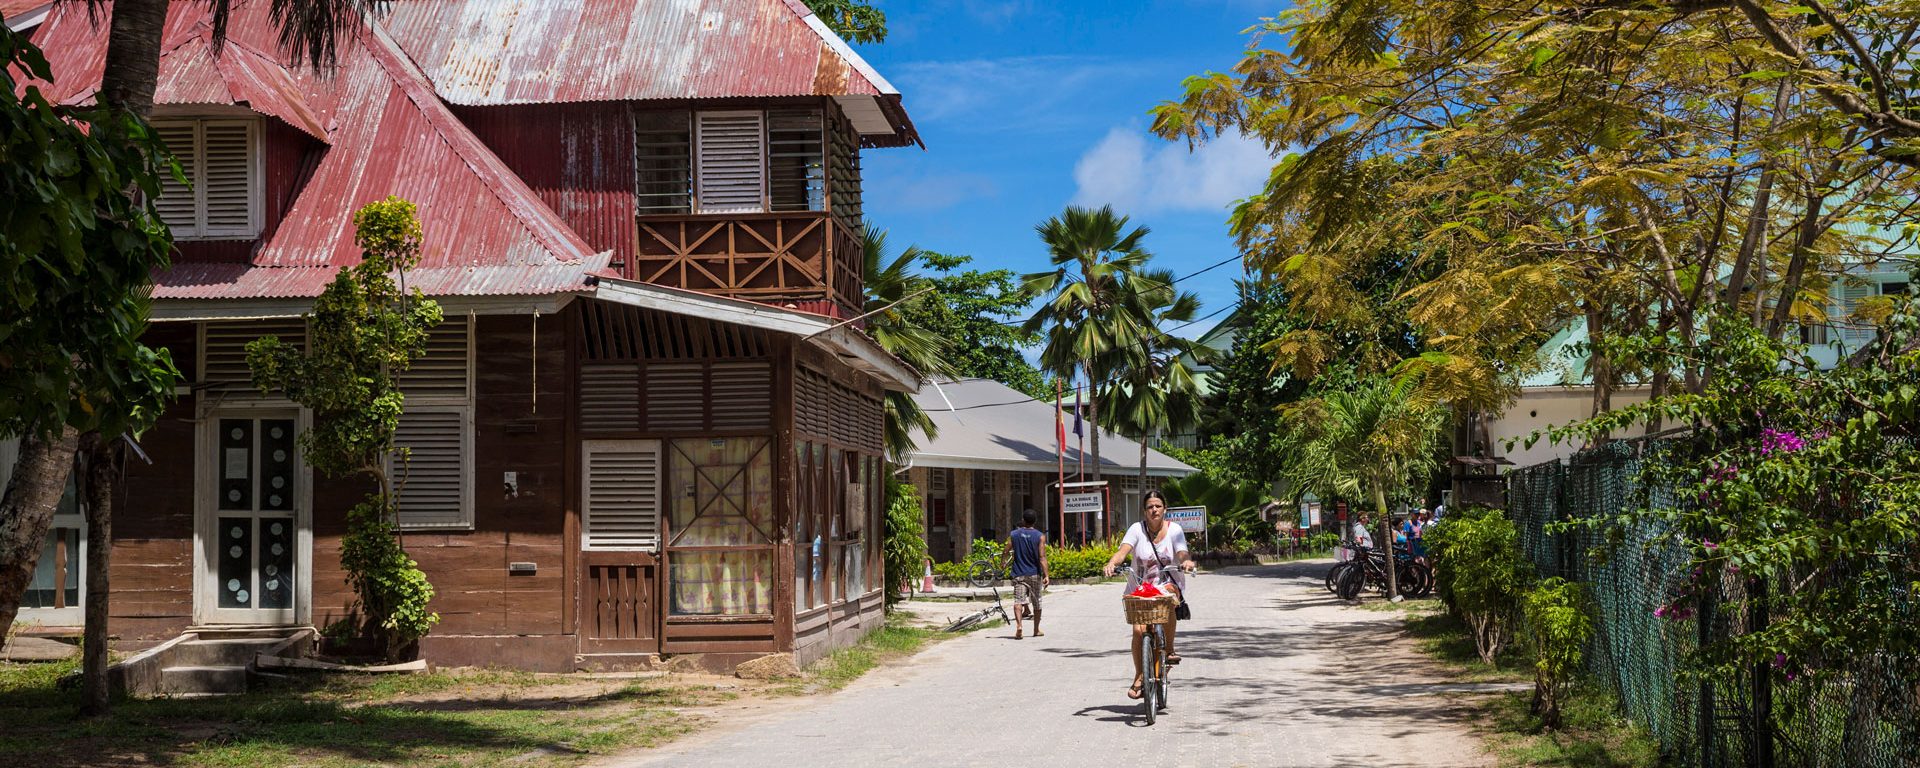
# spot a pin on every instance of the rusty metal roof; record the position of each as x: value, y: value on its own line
x: 486, y: 232
x: 494, y: 52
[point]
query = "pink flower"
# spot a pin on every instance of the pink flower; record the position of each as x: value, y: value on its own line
x: 1779, y: 441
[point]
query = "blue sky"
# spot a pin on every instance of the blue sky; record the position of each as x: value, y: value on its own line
x: 1027, y: 107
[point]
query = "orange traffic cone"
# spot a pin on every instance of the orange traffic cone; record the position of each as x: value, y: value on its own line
x: 926, y: 582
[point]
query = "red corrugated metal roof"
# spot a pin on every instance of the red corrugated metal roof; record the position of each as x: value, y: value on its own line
x: 12, y: 8
x: 486, y: 232
x: 494, y: 52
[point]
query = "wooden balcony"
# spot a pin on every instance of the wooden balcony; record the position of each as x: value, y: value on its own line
x: 809, y: 259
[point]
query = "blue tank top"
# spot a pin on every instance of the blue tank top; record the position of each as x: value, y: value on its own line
x: 1026, y: 551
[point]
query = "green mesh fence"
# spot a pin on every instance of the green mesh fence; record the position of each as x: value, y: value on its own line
x: 1868, y: 715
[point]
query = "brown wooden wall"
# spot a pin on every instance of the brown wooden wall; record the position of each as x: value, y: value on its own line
x: 153, y: 525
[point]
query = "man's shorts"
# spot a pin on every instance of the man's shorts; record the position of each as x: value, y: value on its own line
x: 1026, y: 591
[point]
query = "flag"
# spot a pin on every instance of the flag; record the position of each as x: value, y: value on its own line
x: 1059, y: 427
x: 1076, y: 413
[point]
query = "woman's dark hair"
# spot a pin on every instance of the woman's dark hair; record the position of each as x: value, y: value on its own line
x: 1153, y: 494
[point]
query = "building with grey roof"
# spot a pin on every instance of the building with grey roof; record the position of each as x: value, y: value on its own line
x: 994, y: 456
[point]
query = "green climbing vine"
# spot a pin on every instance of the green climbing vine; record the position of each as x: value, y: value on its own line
x: 363, y: 332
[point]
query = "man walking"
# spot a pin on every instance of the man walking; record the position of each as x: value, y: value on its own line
x: 1028, y: 547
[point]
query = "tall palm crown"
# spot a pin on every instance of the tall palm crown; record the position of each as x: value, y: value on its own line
x: 1153, y: 388
x: 892, y: 283
x: 1092, y: 312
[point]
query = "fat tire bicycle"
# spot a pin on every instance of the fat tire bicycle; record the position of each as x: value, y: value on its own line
x: 970, y: 620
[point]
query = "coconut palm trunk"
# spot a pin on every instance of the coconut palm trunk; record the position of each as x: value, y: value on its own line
x: 102, y: 460
x: 1386, y: 540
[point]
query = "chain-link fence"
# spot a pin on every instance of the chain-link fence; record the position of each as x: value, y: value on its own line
x: 1866, y: 715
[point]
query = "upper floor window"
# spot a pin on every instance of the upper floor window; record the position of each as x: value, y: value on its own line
x: 731, y: 161
x: 220, y: 158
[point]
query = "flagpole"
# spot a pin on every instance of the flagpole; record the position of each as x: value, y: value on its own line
x: 1060, y: 451
x: 1080, y: 436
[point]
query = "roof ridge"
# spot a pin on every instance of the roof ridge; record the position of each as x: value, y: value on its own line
x: 540, y: 221
x: 841, y: 48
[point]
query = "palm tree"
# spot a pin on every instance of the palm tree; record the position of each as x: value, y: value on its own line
x: 1368, y: 440
x: 1090, y: 314
x: 1153, y: 388
x: 892, y: 284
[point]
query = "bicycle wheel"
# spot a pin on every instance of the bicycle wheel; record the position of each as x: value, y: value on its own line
x: 966, y: 621
x: 1150, y: 683
x: 1413, y: 578
x: 980, y: 573
x: 1351, y: 582
x: 1333, y: 575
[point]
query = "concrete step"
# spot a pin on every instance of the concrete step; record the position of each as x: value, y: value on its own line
x: 234, y: 652
x: 175, y: 681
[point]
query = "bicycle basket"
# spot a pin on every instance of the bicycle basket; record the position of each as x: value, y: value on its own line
x: 1150, y: 610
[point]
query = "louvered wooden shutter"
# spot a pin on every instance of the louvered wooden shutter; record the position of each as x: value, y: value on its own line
x: 621, y: 507
x: 732, y: 162
x: 434, y: 478
x: 609, y: 397
x: 441, y: 375
x: 223, y: 350
x: 742, y: 396
x: 676, y: 397
x: 176, y: 203
x: 227, y: 179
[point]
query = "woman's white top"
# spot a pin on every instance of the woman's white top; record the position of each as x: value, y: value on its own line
x: 1151, y: 568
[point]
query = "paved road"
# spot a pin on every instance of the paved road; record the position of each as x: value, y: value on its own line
x: 1277, y: 673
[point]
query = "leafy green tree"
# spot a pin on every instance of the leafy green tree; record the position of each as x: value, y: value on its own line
x: 896, y: 295
x: 904, y: 551
x: 1559, y: 624
x: 364, y: 332
x: 1481, y: 574
x: 971, y: 309
x: 78, y: 239
x: 1372, y: 439
x: 1635, y: 164
x: 1090, y: 311
x: 855, y: 21
x: 1233, y: 508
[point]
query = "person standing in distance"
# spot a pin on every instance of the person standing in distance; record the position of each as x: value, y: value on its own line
x: 1028, y: 547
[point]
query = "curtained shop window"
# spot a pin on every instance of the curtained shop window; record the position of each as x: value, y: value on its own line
x: 720, y: 559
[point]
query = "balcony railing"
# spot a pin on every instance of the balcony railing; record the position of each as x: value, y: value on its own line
x: 810, y: 259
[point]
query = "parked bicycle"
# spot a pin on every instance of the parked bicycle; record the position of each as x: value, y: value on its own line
x: 986, y: 571
x: 970, y: 620
x: 1368, y: 569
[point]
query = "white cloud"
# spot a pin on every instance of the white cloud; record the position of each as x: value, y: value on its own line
x: 1135, y: 172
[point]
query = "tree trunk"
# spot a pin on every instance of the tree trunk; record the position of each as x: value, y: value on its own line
x: 1143, y: 470
x: 1386, y: 524
x: 103, y: 469
x: 26, y: 512
x: 133, y: 55
x: 1809, y: 231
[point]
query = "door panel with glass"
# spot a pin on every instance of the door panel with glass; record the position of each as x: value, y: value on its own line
x: 250, y: 529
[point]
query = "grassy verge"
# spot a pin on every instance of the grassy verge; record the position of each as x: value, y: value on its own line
x: 898, y: 639
x: 447, y: 718
x: 1592, y: 734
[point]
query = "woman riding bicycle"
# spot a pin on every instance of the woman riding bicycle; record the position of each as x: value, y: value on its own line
x: 1156, y: 547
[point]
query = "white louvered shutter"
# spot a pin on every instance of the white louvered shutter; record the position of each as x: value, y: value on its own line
x: 622, y: 497
x: 1857, y: 331
x: 442, y: 374
x: 223, y: 351
x: 732, y: 162
x: 176, y: 204
x: 227, y: 180
x: 434, y: 478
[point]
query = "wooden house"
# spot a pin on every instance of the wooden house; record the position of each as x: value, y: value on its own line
x: 650, y: 424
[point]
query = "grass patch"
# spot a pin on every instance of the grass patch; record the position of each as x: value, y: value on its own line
x: 897, y: 639
x: 348, y: 720
x: 1592, y: 733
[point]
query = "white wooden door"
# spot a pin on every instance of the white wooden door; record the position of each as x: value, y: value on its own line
x: 252, y: 525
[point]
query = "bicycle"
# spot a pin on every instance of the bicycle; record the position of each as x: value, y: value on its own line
x: 1153, y: 652
x: 1369, y: 569
x: 984, y: 572
x: 968, y: 621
